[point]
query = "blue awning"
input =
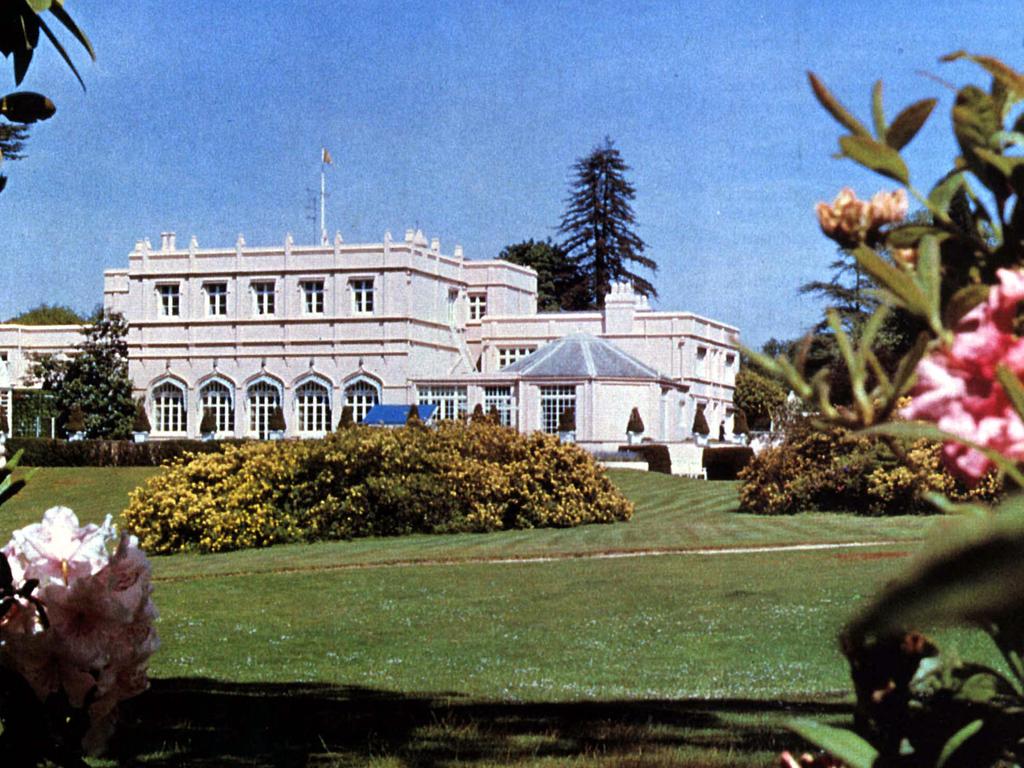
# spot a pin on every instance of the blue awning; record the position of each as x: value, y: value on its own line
x: 396, y: 415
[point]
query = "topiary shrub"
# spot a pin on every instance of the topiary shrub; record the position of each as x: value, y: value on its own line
x: 413, y: 419
x: 567, y: 420
x: 700, y: 423
x: 141, y: 423
x: 739, y: 423
x: 76, y: 419
x: 473, y: 476
x: 208, y: 424
x: 636, y: 424
x: 347, y: 417
x: 276, y: 421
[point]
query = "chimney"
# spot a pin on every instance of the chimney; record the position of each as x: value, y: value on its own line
x: 409, y: 235
x: 435, y: 244
x: 620, y: 306
x: 167, y: 241
x: 458, y: 252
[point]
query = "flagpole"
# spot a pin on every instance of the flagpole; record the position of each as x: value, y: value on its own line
x: 323, y: 225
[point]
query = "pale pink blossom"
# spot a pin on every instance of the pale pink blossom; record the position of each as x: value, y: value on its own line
x: 851, y: 221
x: 96, y: 590
x: 957, y: 387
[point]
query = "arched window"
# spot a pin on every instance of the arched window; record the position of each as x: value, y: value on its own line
x: 216, y: 397
x: 168, y: 408
x: 313, y: 408
x: 362, y: 396
x: 263, y: 398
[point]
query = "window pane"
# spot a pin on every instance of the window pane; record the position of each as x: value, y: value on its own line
x: 553, y: 402
x: 313, y: 408
x: 362, y: 396
x: 263, y: 399
x: 216, y: 398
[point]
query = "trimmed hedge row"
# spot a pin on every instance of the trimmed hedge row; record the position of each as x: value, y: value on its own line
x: 657, y: 456
x: 725, y: 462
x: 44, y: 452
x: 364, y: 481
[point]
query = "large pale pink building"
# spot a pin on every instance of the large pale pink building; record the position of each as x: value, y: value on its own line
x: 243, y: 330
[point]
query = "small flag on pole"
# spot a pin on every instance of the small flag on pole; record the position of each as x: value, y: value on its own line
x: 325, y: 156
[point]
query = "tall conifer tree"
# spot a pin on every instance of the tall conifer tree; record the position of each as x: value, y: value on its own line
x: 598, y: 225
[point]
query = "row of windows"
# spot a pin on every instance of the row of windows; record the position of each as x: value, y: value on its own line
x: 264, y: 294
x: 312, y: 411
x: 508, y: 355
x: 451, y: 402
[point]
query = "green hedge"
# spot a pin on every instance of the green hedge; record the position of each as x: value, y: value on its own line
x: 656, y: 456
x: 724, y: 462
x: 44, y: 452
x: 366, y: 481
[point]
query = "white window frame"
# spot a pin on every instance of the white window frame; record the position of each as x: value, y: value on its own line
x: 313, y: 296
x: 264, y: 297
x: 216, y: 298
x: 452, y: 309
x: 502, y: 399
x: 269, y: 396
x: 363, y: 298
x: 167, y: 404
x: 452, y: 401
x: 509, y: 355
x: 218, y: 396
x: 477, y: 306
x: 313, y: 408
x: 361, y: 395
x: 170, y: 299
x: 554, y: 400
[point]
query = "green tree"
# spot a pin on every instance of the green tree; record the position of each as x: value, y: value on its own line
x: 560, y: 284
x: 598, y: 226
x: 47, y: 314
x: 758, y: 397
x: 94, y: 377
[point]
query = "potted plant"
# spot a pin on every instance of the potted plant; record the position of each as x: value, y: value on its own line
x: 140, y: 427
x: 478, y: 414
x: 635, y: 427
x: 75, y: 424
x: 701, y: 430
x: 275, y: 424
x: 208, y: 425
x: 567, y: 425
x: 347, y: 419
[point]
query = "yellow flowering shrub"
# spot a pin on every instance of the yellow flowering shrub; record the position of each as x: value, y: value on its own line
x: 371, y: 482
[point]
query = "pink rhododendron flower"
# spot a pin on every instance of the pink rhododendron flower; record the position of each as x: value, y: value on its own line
x: 96, y: 590
x: 957, y: 387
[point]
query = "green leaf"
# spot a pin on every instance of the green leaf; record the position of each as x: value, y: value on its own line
x: 962, y: 302
x: 929, y: 277
x: 1005, y: 164
x: 942, y: 193
x: 26, y: 107
x: 909, y: 235
x: 974, y: 123
x: 834, y: 108
x: 60, y: 49
x: 880, y: 158
x: 838, y: 742
x: 901, y: 285
x: 957, y: 740
x: 1007, y: 76
x: 908, y: 122
x: 1012, y: 386
x: 877, y: 112
x: 947, y: 507
x: 57, y: 9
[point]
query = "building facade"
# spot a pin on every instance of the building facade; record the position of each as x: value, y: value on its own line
x: 244, y: 330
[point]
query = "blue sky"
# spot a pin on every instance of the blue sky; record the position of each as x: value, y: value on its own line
x: 464, y: 119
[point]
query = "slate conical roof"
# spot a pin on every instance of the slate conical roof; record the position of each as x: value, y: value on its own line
x: 581, y: 355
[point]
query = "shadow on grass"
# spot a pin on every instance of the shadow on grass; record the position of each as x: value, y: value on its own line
x: 201, y: 722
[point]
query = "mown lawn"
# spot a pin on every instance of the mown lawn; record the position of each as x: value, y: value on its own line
x: 408, y: 652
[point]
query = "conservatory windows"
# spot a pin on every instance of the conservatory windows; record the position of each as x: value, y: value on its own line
x: 451, y: 402
x: 553, y: 402
x: 500, y: 399
x: 168, y: 408
x: 313, y: 408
